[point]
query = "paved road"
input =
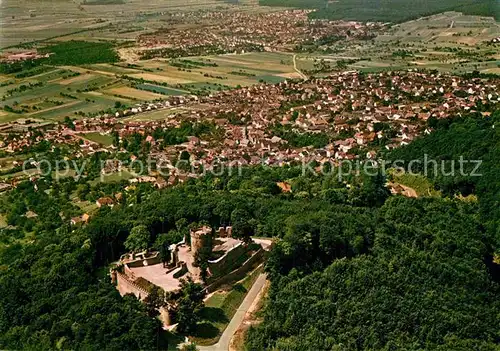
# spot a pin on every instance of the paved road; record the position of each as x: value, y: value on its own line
x: 223, y: 344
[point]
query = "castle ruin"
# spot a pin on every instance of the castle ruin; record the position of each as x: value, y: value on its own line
x: 229, y: 259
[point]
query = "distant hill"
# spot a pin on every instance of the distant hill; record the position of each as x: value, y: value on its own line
x: 103, y: 2
x: 389, y: 10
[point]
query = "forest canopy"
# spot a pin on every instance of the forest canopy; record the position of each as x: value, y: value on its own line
x: 388, y: 11
x: 353, y: 268
x: 417, y: 273
x: 422, y: 284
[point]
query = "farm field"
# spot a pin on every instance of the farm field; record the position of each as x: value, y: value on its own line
x: 77, y: 91
x: 133, y: 94
x: 103, y: 80
x: 25, y: 21
x: 231, y: 70
x: 161, y: 90
x: 449, y: 27
x: 449, y: 41
x: 6, y: 117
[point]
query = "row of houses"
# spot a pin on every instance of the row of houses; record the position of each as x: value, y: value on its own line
x: 358, y: 114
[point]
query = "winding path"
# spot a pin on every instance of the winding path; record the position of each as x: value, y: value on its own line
x: 302, y: 75
x: 223, y: 343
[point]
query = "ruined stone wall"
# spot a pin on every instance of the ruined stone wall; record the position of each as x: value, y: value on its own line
x: 231, y: 260
x: 181, y: 272
x: 200, y: 240
x: 146, y: 262
x: 126, y: 286
x: 238, y: 273
x: 165, y: 317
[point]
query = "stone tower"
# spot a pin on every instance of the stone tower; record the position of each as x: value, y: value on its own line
x: 201, y: 237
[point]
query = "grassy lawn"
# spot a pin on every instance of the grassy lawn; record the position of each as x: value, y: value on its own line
x: 99, y: 138
x: 113, y: 177
x: 85, y: 206
x: 419, y: 183
x: 220, y: 308
x: 3, y: 221
x: 161, y: 114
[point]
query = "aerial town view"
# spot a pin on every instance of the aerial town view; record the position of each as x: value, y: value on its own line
x: 250, y: 175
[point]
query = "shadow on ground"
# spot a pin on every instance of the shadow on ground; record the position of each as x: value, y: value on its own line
x: 213, y: 314
x: 206, y: 330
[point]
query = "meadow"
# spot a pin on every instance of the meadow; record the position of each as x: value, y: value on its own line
x: 102, y: 139
x: 68, y: 87
x: 450, y: 42
x: 93, y: 66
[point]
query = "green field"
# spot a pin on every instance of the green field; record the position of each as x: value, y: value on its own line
x: 161, y: 90
x: 220, y: 308
x: 113, y: 177
x: 105, y: 140
x: 86, y: 90
x: 422, y: 185
x: 450, y: 42
x: 55, y: 94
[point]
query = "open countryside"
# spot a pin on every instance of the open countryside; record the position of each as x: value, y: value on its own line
x: 249, y: 175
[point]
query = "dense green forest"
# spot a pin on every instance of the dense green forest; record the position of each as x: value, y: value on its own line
x: 389, y: 10
x: 51, y: 299
x: 353, y: 268
x: 54, y: 283
x: 80, y: 53
x: 423, y: 283
x: 66, y: 53
x: 424, y: 276
x: 472, y: 138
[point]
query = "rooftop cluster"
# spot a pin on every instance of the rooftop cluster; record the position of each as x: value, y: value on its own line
x: 241, y: 31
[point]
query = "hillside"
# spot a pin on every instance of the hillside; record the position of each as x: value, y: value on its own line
x: 425, y: 275
x: 423, y: 286
x: 472, y: 138
x: 389, y: 10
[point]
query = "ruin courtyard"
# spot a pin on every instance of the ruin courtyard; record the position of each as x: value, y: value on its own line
x: 229, y: 260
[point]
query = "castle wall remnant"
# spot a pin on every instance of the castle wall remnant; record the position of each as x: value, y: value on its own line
x: 200, y: 238
x: 231, y: 259
x: 182, y: 271
x: 127, y: 286
x: 225, y: 232
x: 239, y: 273
x: 165, y: 316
